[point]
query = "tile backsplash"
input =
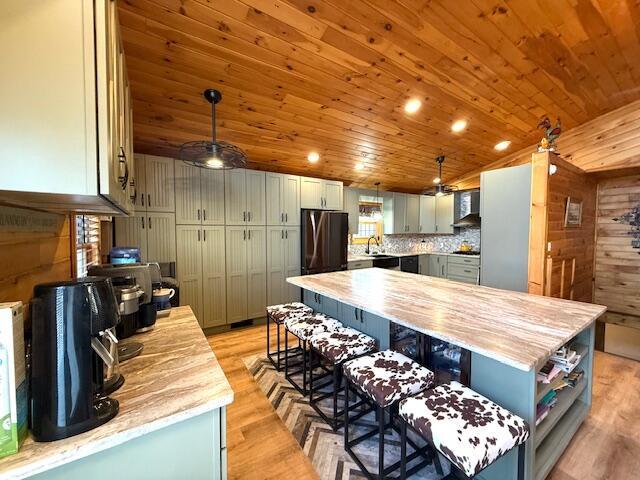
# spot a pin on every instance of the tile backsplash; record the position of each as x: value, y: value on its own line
x: 424, y: 243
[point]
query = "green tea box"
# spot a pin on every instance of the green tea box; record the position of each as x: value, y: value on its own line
x: 13, y: 381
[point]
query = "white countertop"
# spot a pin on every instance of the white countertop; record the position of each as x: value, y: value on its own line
x: 515, y: 328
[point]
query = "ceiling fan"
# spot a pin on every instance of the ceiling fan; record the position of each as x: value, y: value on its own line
x: 213, y: 154
x: 440, y: 188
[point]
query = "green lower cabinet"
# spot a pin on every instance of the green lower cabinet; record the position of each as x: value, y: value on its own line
x: 193, y: 448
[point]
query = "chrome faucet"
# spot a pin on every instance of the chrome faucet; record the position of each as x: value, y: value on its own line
x: 368, y: 249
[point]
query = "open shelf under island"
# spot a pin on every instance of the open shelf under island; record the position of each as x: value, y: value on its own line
x: 508, y: 337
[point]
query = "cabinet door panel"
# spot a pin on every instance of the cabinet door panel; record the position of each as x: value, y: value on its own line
x: 212, y: 192
x: 291, y: 263
x: 275, y: 266
x: 214, y: 276
x: 291, y: 199
x: 139, y: 203
x: 256, y: 272
x: 236, y: 266
x: 310, y: 192
x: 352, y: 207
x: 399, y: 213
x: 444, y: 214
x: 189, y: 268
x: 427, y: 214
x: 256, y: 211
x: 132, y: 232
x: 188, y: 198
x: 332, y: 195
x: 159, y: 183
x: 413, y: 213
x: 235, y: 197
x: 274, y: 201
x: 161, y: 237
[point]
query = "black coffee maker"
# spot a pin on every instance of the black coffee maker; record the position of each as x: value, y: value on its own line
x: 68, y: 357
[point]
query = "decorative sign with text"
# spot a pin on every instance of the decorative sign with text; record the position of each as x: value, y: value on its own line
x: 20, y: 220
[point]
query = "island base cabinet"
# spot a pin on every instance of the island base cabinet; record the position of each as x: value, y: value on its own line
x: 321, y: 304
x: 193, y: 448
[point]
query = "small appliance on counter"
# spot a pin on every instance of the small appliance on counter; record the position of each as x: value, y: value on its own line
x: 69, y: 320
x: 137, y: 279
x: 124, y: 255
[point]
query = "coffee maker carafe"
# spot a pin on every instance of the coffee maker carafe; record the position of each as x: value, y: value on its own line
x: 68, y: 357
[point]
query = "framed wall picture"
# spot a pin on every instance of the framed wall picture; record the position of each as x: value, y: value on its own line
x: 573, y: 213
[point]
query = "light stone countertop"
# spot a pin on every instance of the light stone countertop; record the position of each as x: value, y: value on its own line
x: 176, y: 377
x: 518, y: 329
x: 362, y: 258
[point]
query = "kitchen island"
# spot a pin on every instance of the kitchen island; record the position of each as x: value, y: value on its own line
x: 509, y: 337
x: 171, y: 423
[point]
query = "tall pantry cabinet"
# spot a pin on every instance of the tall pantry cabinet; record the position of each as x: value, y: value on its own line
x: 246, y: 244
x: 200, y: 239
x: 152, y: 227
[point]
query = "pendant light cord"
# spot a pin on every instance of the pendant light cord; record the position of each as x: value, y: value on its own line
x: 213, y: 122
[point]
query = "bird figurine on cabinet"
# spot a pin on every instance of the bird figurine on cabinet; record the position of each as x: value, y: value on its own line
x: 548, y: 142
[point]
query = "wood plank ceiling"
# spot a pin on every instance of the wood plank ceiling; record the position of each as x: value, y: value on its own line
x: 333, y: 76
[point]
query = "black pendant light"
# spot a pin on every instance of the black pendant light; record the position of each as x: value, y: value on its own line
x: 213, y: 154
x: 440, y: 188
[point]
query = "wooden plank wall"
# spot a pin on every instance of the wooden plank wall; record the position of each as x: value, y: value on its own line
x: 32, y: 254
x: 617, y: 264
x: 609, y: 142
x: 572, y: 248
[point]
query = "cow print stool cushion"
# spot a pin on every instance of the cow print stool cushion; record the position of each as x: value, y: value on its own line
x: 278, y: 313
x: 342, y: 344
x: 467, y: 428
x: 387, y: 377
x: 306, y: 326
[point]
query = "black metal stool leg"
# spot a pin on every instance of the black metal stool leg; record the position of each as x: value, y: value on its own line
x: 304, y: 367
x: 346, y: 411
x: 521, y: 454
x: 278, y: 366
x: 381, y: 428
x: 286, y: 356
x: 403, y: 450
x: 311, y: 355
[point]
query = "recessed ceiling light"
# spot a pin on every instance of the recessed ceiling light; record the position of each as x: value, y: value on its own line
x: 437, y: 180
x: 359, y: 166
x: 458, y: 125
x: 502, y: 145
x: 313, y: 157
x: 412, y: 105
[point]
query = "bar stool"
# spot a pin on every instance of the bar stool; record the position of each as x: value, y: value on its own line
x: 335, y: 348
x: 303, y: 328
x: 384, y: 379
x: 278, y: 314
x: 467, y: 428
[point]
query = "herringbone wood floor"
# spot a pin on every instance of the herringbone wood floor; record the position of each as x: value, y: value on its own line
x: 607, y: 446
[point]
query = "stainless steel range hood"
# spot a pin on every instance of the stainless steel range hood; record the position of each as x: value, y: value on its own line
x: 472, y: 220
x: 467, y: 209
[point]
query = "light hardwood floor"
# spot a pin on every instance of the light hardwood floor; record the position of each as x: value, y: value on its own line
x: 607, y: 446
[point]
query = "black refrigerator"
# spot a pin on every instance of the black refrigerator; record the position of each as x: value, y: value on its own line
x: 324, y: 241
